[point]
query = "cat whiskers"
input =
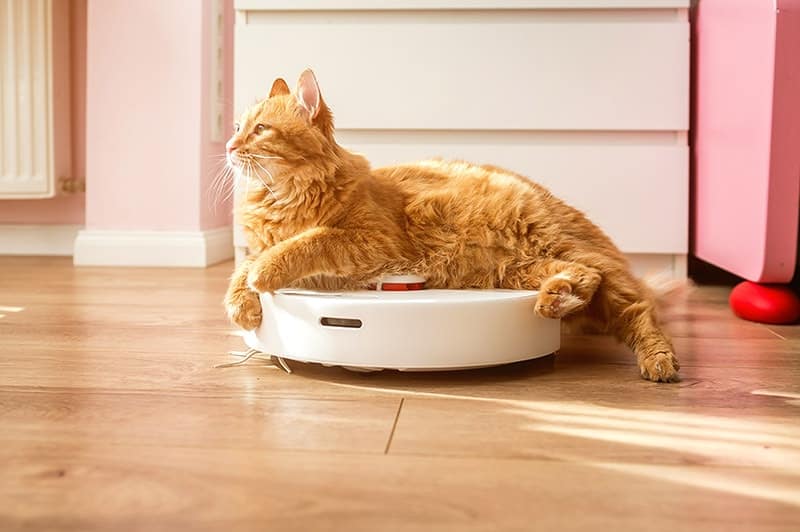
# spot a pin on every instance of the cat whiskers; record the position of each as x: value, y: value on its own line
x: 221, y: 188
x: 232, y: 177
x: 250, y: 175
x: 271, y: 178
x: 229, y: 177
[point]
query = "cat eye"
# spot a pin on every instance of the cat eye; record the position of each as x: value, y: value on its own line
x: 236, y: 127
x: 260, y: 128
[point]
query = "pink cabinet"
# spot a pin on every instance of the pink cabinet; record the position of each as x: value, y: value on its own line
x: 747, y: 136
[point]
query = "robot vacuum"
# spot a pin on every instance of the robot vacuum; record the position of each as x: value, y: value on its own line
x: 403, y: 326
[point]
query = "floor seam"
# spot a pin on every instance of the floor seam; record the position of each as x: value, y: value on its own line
x: 394, y: 425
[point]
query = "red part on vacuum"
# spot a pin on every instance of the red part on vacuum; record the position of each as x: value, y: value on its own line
x: 764, y: 303
x: 401, y: 287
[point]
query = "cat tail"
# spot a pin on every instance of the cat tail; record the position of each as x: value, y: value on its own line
x: 671, y: 295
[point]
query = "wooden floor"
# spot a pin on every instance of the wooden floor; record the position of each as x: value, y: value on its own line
x: 114, y: 417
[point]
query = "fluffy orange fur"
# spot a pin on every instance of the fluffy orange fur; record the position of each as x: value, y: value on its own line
x: 317, y: 216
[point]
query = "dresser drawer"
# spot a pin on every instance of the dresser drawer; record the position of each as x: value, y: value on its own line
x: 470, y: 69
x: 635, y: 186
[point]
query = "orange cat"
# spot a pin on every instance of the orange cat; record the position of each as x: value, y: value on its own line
x: 317, y: 216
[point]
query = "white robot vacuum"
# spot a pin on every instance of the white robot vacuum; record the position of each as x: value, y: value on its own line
x: 400, y: 325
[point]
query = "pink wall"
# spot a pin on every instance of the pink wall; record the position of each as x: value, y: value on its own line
x: 147, y: 133
x: 142, y: 114
x: 69, y: 77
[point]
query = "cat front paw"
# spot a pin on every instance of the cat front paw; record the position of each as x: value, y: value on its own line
x: 661, y: 366
x: 244, y: 310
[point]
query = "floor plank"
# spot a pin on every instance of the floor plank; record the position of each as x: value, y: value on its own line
x: 233, y: 421
x: 575, y: 431
x: 130, y: 487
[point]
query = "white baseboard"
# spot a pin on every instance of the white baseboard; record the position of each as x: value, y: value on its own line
x: 153, y: 248
x: 37, y: 239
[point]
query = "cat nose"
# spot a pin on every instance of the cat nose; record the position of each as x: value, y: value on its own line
x: 232, y: 146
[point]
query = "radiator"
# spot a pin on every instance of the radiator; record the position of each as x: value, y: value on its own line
x: 26, y: 110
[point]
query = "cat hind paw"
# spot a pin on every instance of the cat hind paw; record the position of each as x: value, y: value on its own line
x: 661, y: 366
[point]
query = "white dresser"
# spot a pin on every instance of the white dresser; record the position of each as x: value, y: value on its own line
x: 588, y: 97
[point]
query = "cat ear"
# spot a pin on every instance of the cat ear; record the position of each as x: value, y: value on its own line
x: 279, y: 87
x: 307, y: 93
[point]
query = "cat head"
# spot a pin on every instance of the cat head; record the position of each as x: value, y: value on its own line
x: 284, y: 133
